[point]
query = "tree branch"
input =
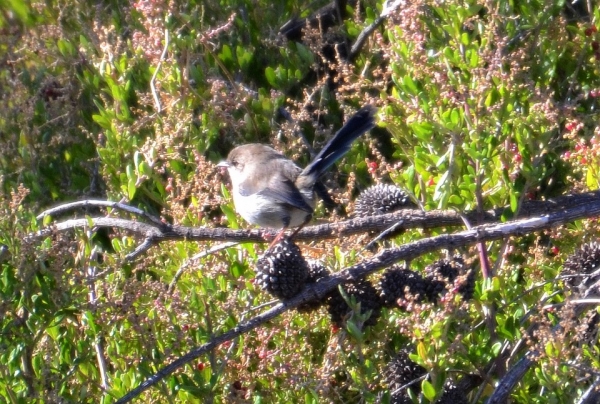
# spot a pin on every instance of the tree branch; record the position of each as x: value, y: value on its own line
x: 383, y: 260
x: 97, y: 203
x: 157, y: 231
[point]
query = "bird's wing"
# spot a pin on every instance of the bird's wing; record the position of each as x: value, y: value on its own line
x: 278, y: 184
x: 284, y: 190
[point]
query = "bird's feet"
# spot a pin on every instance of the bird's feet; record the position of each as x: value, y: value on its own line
x: 277, y: 239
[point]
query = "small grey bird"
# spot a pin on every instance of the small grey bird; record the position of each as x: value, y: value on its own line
x: 270, y: 190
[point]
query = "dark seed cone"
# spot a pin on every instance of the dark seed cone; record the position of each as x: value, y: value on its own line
x: 380, y: 199
x: 364, y: 293
x: 401, y: 284
x: 444, y: 272
x: 282, y: 271
x: 585, y: 261
x: 400, y: 398
x: 400, y: 371
x: 453, y: 395
x: 316, y: 273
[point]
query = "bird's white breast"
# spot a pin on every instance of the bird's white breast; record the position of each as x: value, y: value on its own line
x: 262, y: 211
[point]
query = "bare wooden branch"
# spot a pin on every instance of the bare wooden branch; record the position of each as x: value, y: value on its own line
x: 383, y: 260
x: 363, y: 36
x: 139, y: 250
x: 389, y: 8
x: 508, y: 383
x: 158, y: 232
x: 87, y: 203
x: 142, y: 229
x: 592, y: 394
x: 537, y: 215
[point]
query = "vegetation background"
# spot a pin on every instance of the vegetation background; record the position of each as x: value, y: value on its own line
x: 482, y: 104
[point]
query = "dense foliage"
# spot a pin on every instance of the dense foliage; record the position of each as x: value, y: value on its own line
x: 481, y: 105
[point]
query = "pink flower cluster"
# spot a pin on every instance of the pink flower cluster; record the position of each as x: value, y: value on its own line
x: 585, y: 153
x: 153, y: 14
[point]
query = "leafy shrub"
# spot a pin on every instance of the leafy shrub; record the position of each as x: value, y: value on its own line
x: 481, y: 106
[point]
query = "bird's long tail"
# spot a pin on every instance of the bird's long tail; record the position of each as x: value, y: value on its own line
x: 340, y: 143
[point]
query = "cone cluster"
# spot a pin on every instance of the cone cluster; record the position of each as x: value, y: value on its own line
x: 380, y: 199
x: 282, y: 271
x: 444, y: 273
x: 366, y: 296
x: 581, y: 269
x: 400, y: 371
x: 316, y: 273
x: 399, y: 286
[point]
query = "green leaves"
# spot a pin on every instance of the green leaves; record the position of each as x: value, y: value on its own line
x: 282, y: 78
x: 428, y: 390
x: 21, y: 9
x: 486, y: 109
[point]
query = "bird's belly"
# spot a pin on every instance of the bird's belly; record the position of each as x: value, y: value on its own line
x: 264, y: 212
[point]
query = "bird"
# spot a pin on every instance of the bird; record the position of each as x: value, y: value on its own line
x: 270, y: 190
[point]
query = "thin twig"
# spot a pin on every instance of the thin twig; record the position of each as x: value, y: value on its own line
x: 390, y: 7
x: 98, y: 345
x: 489, y: 310
x: 592, y: 394
x: 390, y: 230
x: 97, y: 203
x: 412, y: 382
x: 363, y: 36
x: 508, y: 382
x: 212, y: 356
x: 196, y: 352
x: 195, y: 259
x: 139, y: 250
x: 153, y: 80
x: 260, y: 306
x: 594, y: 301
